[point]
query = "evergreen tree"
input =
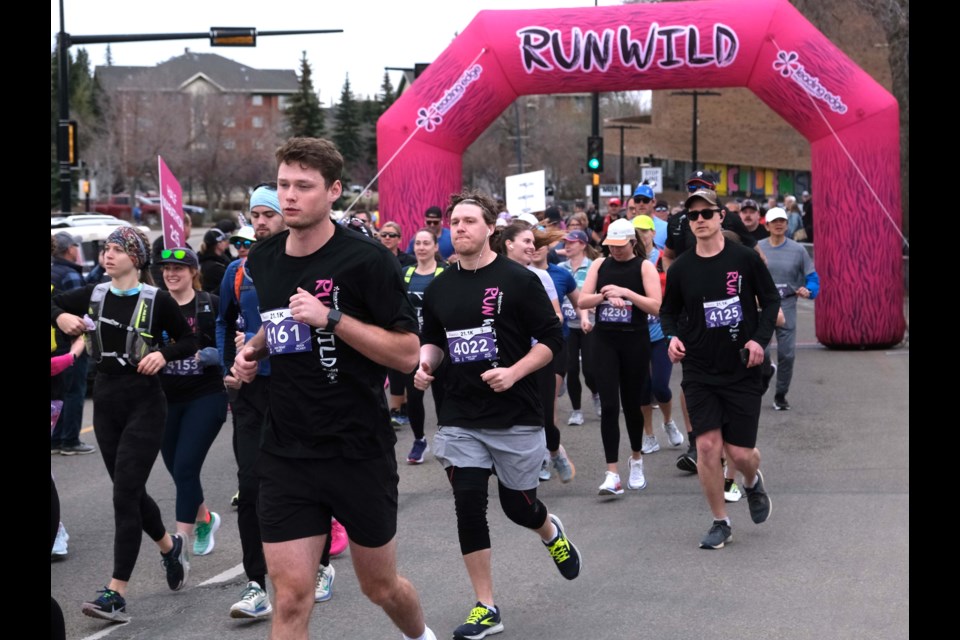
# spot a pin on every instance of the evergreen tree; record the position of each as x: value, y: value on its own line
x: 346, y: 135
x: 304, y: 114
x: 386, y: 97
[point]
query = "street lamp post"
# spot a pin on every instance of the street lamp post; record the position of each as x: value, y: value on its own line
x: 219, y: 37
x: 695, y: 95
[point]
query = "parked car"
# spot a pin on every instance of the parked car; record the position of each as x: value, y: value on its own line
x: 93, y: 229
x: 197, y: 212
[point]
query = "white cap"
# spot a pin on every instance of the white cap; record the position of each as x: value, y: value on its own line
x: 529, y: 218
x: 776, y: 213
x: 619, y: 233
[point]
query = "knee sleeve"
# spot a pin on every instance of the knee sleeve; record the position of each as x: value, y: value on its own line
x: 523, y: 507
x: 470, y: 499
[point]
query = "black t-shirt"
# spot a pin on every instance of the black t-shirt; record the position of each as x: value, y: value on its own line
x: 184, y: 380
x: 326, y: 399
x: 759, y: 233
x: 166, y: 318
x: 719, y: 295
x: 680, y: 237
x: 504, y: 306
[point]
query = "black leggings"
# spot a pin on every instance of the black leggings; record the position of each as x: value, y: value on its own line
x: 58, y: 629
x: 415, y: 409
x: 129, y: 412
x: 622, y: 364
x: 248, y: 411
x: 470, y: 499
x: 579, y: 342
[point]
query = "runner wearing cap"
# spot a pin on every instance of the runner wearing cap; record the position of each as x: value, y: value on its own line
x: 196, y: 399
x: 483, y: 317
x: 720, y: 343
x: 623, y: 289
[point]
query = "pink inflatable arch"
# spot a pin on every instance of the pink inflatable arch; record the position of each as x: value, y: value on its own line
x: 767, y: 45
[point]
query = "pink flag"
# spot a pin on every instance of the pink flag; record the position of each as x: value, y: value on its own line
x: 171, y: 208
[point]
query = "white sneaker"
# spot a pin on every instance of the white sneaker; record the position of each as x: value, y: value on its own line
x: 637, y: 480
x: 544, y: 471
x: 253, y: 603
x: 650, y: 444
x: 673, y: 434
x: 611, y: 485
x: 731, y: 492
x: 576, y: 417
x: 596, y: 403
x: 59, y: 550
x: 324, y: 590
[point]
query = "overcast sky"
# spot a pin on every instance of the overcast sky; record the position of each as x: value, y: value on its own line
x: 376, y: 33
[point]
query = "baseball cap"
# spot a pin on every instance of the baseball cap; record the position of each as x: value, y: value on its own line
x: 704, y: 194
x: 64, y: 241
x: 662, y: 205
x: 577, y: 236
x: 749, y: 204
x: 180, y: 255
x: 433, y: 212
x: 614, y: 202
x: 708, y: 178
x: 644, y: 191
x: 776, y: 213
x: 619, y: 233
x: 244, y: 233
x: 643, y: 221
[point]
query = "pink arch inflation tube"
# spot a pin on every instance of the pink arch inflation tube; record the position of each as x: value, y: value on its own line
x: 851, y: 121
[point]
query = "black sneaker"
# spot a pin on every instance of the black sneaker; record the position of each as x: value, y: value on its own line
x: 110, y: 605
x: 719, y: 534
x: 780, y: 402
x: 481, y: 622
x: 176, y: 562
x: 688, y: 461
x: 564, y: 552
x: 758, y: 500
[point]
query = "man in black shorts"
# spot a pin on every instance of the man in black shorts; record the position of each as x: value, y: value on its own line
x: 482, y: 316
x: 721, y: 343
x: 335, y: 315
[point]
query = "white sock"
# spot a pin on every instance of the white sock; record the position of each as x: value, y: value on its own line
x: 427, y: 635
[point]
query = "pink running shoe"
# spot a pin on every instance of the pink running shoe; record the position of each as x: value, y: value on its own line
x: 338, y: 538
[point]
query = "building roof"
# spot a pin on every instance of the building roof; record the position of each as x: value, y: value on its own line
x: 178, y: 72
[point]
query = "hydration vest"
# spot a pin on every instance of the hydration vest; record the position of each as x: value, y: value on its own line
x: 138, y: 340
x: 408, y: 274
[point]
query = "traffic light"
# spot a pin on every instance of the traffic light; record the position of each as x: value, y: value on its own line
x: 68, y: 138
x: 85, y: 187
x: 595, y: 154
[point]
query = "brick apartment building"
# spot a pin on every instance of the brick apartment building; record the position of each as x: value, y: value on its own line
x: 193, y: 109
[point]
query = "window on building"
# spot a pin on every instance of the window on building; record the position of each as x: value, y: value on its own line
x: 229, y: 144
x: 229, y: 121
x: 283, y: 103
x: 229, y: 100
x: 257, y: 122
x: 256, y: 100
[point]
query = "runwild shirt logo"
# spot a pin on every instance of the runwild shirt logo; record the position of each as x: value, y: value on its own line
x: 492, y: 300
x: 328, y: 293
x: 734, y: 280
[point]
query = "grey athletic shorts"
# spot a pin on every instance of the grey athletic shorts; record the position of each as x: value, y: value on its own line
x: 515, y: 454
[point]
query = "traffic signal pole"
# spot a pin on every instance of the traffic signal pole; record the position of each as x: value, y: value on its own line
x: 219, y: 37
x: 595, y: 131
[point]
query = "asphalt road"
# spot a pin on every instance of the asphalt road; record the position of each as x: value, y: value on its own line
x: 831, y: 562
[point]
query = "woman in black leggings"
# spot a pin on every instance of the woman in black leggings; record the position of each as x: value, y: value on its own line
x: 623, y: 288
x: 126, y: 318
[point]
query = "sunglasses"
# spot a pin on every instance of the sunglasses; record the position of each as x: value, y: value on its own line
x: 242, y: 244
x: 643, y: 200
x: 389, y: 235
x: 696, y: 187
x: 432, y: 222
x: 179, y: 254
x: 707, y: 214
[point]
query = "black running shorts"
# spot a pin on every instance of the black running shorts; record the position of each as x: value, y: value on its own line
x: 299, y: 495
x: 734, y: 409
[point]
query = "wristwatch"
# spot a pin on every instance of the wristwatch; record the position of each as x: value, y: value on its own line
x: 333, y: 319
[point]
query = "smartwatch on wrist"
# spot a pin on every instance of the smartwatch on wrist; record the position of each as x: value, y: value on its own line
x: 333, y: 319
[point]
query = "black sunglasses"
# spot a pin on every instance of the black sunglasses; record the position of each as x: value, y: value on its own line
x: 242, y: 244
x: 707, y: 214
x: 432, y: 221
x: 642, y: 200
x: 385, y: 234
